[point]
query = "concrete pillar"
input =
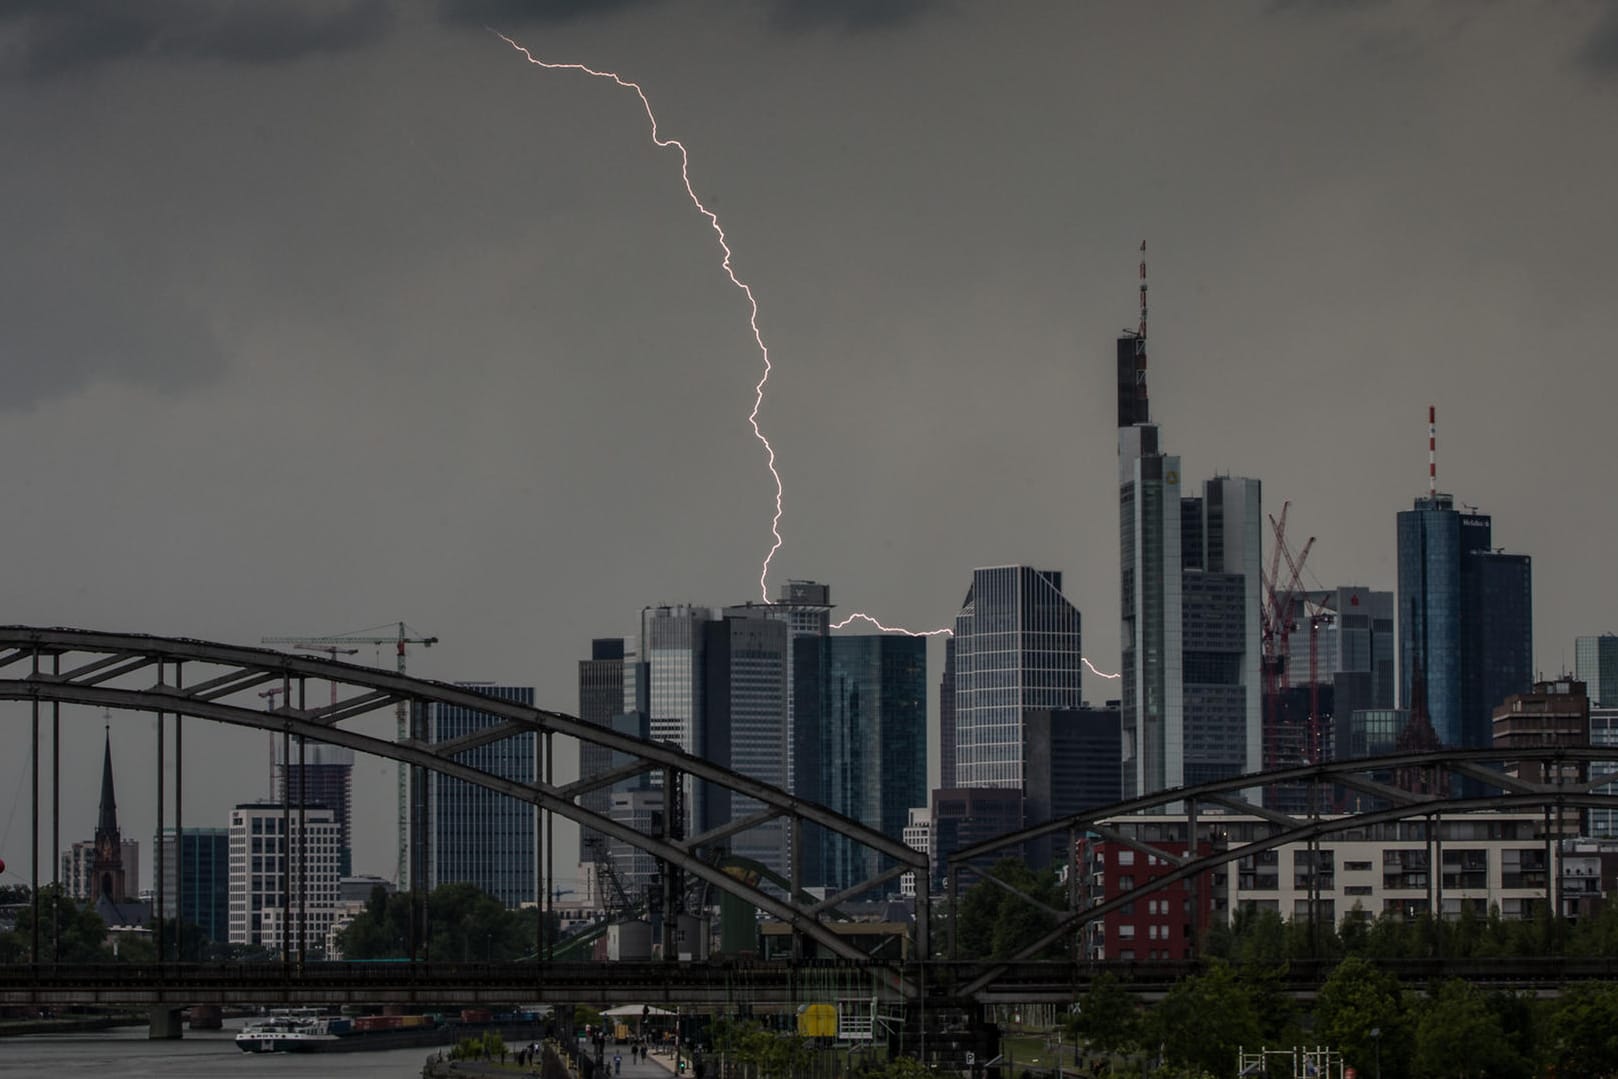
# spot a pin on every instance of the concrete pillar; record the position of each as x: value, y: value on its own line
x: 207, y: 1017
x: 165, y: 1023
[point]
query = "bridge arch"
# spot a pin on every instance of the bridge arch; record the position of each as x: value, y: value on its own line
x: 138, y: 672
x: 1364, y: 774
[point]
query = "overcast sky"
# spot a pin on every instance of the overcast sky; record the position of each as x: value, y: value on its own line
x: 319, y: 315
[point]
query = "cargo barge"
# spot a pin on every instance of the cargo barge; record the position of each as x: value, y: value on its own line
x: 311, y: 1032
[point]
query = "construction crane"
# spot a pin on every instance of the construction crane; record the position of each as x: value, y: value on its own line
x: 270, y: 695
x: 1276, y: 623
x: 333, y: 651
x: 404, y: 636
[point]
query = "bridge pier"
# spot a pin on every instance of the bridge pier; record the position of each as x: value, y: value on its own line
x: 165, y: 1023
x: 207, y: 1017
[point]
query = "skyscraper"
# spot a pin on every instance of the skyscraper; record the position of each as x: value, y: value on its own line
x: 1191, y: 695
x: 1072, y: 759
x: 946, y: 718
x: 324, y: 778
x: 476, y: 834
x: 873, y: 743
x: 1465, y: 620
x: 1017, y: 648
x: 1150, y: 593
x: 601, y: 698
x: 196, y: 878
x: 744, y: 727
x: 1595, y: 663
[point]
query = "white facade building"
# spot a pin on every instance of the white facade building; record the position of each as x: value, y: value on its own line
x: 259, y: 868
x: 918, y: 835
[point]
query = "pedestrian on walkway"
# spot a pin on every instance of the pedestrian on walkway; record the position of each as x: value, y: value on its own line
x: 617, y: 1064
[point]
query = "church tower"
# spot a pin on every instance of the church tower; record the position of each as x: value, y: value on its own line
x: 107, y: 873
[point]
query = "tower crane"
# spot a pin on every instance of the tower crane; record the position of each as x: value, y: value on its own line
x: 404, y: 636
x: 333, y: 651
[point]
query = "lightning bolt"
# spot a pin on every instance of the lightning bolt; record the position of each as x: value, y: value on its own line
x: 719, y: 231
x: 752, y: 321
x: 946, y: 632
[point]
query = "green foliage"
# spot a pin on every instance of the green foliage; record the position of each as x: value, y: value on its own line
x: 764, y: 1053
x: 82, y: 932
x: 1205, y: 1019
x: 904, y: 1068
x: 1580, y: 1033
x: 1460, y: 1037
x: 994, y: 924
x: 465, y: 924
x: 1357, y: 1000
x: 1109, y: 1019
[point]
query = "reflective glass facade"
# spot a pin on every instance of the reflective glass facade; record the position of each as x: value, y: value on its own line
x: 1151, y: 568
x: 1595, y: 663
x: 479, y: 835
x: 196, y: 879
x: 1465, y: 620
x: 1017, y: 647
x: 873, y: 743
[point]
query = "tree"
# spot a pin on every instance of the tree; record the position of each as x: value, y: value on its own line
x: 1361, y: 1011
x: 83, y: 934
x: 1205, y: 1019
x: 464, y: 923
x: 1109, y: 1018
x: 1460, y: 1038
x: 1580, y: 1034
x: 995, y: 924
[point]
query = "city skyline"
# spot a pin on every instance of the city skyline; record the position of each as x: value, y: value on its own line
x: 238, y: 359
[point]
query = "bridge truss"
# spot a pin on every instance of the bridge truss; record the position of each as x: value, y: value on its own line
x: 220, y: 682
x: 1402, y: 786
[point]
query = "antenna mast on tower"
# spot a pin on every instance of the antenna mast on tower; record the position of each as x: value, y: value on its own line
x: 1432, y: 451
x: 1142, y: 331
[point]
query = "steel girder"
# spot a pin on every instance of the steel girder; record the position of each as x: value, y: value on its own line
x: 1472, y: 763
x: 116, y: 670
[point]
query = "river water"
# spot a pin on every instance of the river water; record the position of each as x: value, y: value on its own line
x: 127, y: 1053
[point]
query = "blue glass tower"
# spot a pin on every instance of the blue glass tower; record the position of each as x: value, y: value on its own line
x: 873, y: 743
x: 196, y: 877
x: 1465, y: 620
x: 478, y: 835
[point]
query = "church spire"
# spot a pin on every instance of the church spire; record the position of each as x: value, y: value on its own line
x: 108, y: 821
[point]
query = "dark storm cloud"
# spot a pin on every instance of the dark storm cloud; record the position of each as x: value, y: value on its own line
x: 1600, y: 51
x: 41, y: 38
x: 496, y: 13
x: 850, y: 16
x: 66, y: 326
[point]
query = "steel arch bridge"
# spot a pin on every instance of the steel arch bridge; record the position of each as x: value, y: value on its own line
x: 1427, y: 778
x: 208, y: 680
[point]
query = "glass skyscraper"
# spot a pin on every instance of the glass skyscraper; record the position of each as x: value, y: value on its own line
x: 1016, y: 648
x: 1465, y: 620
x: 476, y: 834
x: 1595, y: 663
x: 873, y: 739
x: 196, y: 879
x: 1189, y: 581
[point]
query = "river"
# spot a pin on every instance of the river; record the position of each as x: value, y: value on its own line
x: 127, y: 1053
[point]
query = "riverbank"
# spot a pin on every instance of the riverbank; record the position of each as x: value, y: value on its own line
x: 72, y: 1024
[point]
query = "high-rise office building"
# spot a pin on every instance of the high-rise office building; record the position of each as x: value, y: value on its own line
x: 946, y: 717
x: 1017, y: 647
x: 717, y: 686
x: 1191, y: 695
x: 1465, y: 620
x: 601, y: 698
x: 196, y: 878
x: 874, y: 745
x: 283, y: 869
x: 1072, y: 765
x: 1150, y: 596
x: 744, y: 727
x: 1222, y: 706
x: 475, y: 834
x: 1595, y: 663
x: 322, y: 776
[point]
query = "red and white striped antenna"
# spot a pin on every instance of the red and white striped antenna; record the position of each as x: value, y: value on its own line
x: 1432, y: 451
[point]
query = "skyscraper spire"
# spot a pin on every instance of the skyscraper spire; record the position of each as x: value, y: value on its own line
x: 108, y: 821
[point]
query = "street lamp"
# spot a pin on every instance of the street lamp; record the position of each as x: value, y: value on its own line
x: 1376, y: 1040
